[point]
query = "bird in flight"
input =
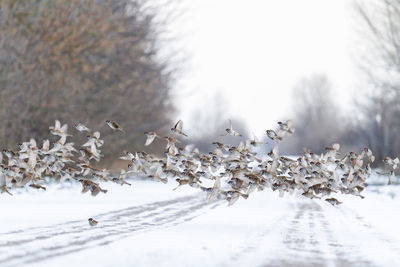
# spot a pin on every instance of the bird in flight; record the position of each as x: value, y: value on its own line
x: 150, y: 137
x: 81, y: 128
x: 114, y: 126
x: 230, y: 131
x: 178, y: 128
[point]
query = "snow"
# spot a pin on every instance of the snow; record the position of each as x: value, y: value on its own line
x: 148, y: 224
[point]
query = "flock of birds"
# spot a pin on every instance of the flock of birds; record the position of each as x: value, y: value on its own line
x: 229, y: 172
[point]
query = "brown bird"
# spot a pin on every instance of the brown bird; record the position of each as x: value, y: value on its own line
x: 94, y: 188
x: 178, y: 128
x: 3, y: 185
x: 38, y: 186
x: 333, y: 201
x: 81, y: 128
x: 92, y: 222
x: 114, y: 126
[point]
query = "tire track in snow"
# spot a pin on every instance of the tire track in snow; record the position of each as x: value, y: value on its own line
x: 310, y: 239
x: 304, y: 236
x: 303, y: 242
x: 40, y: 243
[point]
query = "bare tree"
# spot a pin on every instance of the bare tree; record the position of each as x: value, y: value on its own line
x: 380, y: 110
x: 82, y: 60
x: 316, y: 116
x: 211, y: 125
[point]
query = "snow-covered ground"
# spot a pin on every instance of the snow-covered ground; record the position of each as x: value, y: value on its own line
x: 148, y: 224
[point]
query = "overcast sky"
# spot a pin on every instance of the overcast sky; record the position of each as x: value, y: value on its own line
x: 253, y: 52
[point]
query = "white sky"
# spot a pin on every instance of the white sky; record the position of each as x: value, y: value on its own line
x: 253, y: 52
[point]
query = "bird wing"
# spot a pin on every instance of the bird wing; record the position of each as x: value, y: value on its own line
x: 217, y: 183
x: 32, y: 160
x: 281, y: 133
x: 158, y: 172
x: 57, y: 125
x: 2, y: 179
x: 90, y: 142
x: 150, y: 139
x: 62, y: 139
x: 289, y: 123
x: 64, y: 128
x: 336, y: 146
x: 96, y: 134
x: 179, y: 125
x: 33, y: 142
x: 46, y: 145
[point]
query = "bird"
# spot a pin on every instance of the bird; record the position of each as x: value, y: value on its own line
x: 37, y: 186
x: 57, y: 129
x: 254, y: 143
x: 273, y: 135
x: 286, y: 126
x: 81, y: 128
x: 121, y: 179
x: 392, y: 163
x: 230, y: 131
x: 93, y: 187
x: 3, y: 184
x: 333, y: 201
x: 150, y: 137
x: 114, y: 126
x: 92, y: 222
x: 178, y: 128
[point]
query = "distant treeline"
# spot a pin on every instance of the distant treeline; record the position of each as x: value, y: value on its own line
x: 373, y: 119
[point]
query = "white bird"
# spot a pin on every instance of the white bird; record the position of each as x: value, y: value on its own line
x: 81, y: 127
x: 150, y: 137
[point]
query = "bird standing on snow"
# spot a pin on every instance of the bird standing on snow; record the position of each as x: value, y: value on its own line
x: 92, y: 222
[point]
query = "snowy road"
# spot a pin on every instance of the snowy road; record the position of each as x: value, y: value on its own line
x: 36, y: 244
x: 187, y: 231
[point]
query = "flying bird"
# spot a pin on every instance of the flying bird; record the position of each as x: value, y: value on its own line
x: 178, y: 128
x: 150, y: 137
x: 273, y: 135
x: 230, y: 131
x: 333, y: 201
x: 114, y: 126
x: 81, y: 128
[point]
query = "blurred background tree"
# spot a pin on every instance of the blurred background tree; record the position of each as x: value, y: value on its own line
x: 211, y: 125
x: 316, y: 116
x: 83, y: 60
x: 379, y: 109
